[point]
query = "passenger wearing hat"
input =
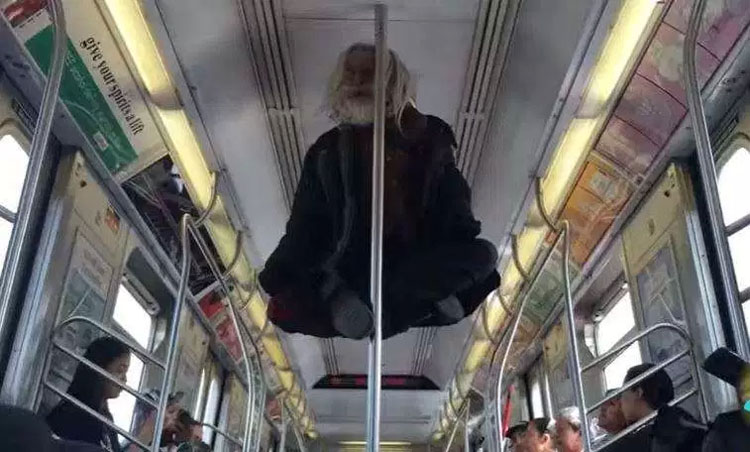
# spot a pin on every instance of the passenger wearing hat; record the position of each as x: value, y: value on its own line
x: 730, y: 431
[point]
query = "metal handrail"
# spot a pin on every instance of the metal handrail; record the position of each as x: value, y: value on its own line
x: 101, y: 371
x: 374, y: 368
x: 222, y: 433
x: 98, y: 416
x: 620, y: 348
x: 641, y: 422
x: 134, y: 346
x: 38, y: 153
x: 707, y: 168
x: 664, y: 364
x: 190, y: 228
x: 511, y: 335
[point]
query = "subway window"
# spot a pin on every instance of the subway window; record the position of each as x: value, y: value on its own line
x: 613, y: 327
x: 12, y: 174
x: 133, y: 319
x: 733, y: 169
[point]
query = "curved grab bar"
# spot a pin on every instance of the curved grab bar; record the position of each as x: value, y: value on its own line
x: 98, y: 416
x: 620, y: 348
x: 223, y: 433
x: 134, y: 346
x: 101, y: 371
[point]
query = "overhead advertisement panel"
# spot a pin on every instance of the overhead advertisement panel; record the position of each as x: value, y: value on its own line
x: 97, y: 86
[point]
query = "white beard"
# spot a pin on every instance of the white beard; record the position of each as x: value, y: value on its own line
x: 354, y: 111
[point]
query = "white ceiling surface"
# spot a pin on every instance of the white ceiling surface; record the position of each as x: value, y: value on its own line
x: 546, y: 36
x: 406, y: 415
x: 436, y: 53
x: 209, y: 39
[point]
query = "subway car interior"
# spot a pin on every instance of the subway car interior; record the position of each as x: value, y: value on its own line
x: 228, y: 225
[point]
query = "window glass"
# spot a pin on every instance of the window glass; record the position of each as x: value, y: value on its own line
x: 615, y: 324
x: 6, y: 227
x: 122, y: 407
x: 746, y: 310
x: 199, y: 399
x: 12, y: 172
x: 614, y: 372
x: 537, y: 404
x: 132, y: 317
x: 212, y: 407
x: 739, y: 247
x: 732, y: 183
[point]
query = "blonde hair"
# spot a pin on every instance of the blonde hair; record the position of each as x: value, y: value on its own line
x: 399, y: 88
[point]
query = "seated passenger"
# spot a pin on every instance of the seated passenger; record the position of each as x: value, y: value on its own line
x: 673, y: 429
x: 514, y: 435
x: 69, y: 422
x: 610, y: 420
x: 538, y: 436
x: 435, y: 269
x: 730, y: 431
x: 568, y: 437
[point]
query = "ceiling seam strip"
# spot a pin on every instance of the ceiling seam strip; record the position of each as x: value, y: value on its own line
x: 257, y: 55
x: 288, y: 74
x: 487, y: 74
x: 513, y: 7
x: 469, y: 77
x: 273, y: 28
x: 269, y: 69
x: 481, y: 65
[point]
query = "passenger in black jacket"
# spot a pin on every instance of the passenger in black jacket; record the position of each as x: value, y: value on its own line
x: 435, y: 272
x: 673, y: 429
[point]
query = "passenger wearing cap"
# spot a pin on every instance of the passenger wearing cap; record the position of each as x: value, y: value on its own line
x: 730, y: 431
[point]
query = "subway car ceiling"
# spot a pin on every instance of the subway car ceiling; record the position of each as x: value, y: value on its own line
x: 584, y: 98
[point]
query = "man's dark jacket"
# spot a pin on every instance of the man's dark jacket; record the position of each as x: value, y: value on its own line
x: 324, y: 236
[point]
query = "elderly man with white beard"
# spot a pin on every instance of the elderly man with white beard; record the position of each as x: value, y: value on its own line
x: 435, y: 272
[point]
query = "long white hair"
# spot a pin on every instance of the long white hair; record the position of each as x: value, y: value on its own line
x: 399, y: 88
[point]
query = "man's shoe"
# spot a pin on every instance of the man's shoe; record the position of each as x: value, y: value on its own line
x: 450, y: 309
x: 351, y: 316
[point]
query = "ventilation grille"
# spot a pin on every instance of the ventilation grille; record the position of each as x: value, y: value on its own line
x: 422, y: 350
x: 492, y: 33
x: 270, y: 54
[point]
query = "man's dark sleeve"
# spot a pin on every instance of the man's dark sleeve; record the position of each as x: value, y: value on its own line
x: 301, y: 248
x: 451, y: 218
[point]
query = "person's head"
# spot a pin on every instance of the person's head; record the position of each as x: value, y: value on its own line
x: 538, y: 436
x: 90, y: 387
x: 729, y: 367
x: 351, y: 87
x: 515, y: 434
x: 611, y: 418
x: 648, y: 395
x: 568, y: 430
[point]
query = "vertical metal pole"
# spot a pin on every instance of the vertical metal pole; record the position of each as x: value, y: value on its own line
x: 171, y: 364
x: 37, y: 155
x: 376, y: 239
x: 467, y: 431
x: 708, y: 177
x: 284, y: 428
x: 575, y: 359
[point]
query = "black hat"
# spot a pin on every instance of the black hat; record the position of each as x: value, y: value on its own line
x: 657, y: 388
x: 726, y: 365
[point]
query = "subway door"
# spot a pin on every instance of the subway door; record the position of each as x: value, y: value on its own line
x: 665, y: 261
x: 77, y: 272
